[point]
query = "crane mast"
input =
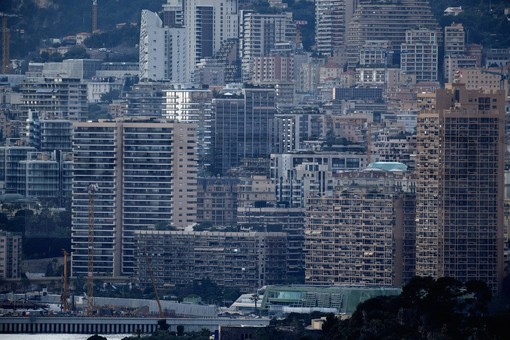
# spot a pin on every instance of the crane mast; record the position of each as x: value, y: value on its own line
x: 90, y: 251
x: 65, y: 289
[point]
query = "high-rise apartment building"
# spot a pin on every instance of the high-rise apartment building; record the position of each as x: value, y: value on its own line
x: 11, y: 155
x: 46, y: 176
x: 259, y: 34
x: 243, y: 122
x: 146, y: 174
x: 386, y: 20
x: 332, y: 18
x: 420, y: 54
x: 208, y: 25
x: 459, y: 185
x: 193, y: 106
x: 217, y: 201
x: 356, y: 235
x: 49, y: 134
x: 163, y: 49
x: 279, y: 219
x: 454, y: 39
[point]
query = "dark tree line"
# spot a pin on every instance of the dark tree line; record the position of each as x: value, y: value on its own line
x: 426, y: 309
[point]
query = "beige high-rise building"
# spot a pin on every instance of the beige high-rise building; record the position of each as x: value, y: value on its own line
x: 146, y: 176
x: 364, y: 232
x: 10, y: 255
x: 459, y: 185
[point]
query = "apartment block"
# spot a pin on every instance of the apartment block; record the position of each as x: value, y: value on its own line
x: 242, y: 126
x: 279, y: 219
x: 420, y: 54
x: 146, y: 174
x: 46, y: 176
x: 454, y: 40
x: 10, y: 255
x: 356, y: 234
x: 193, y: 106
x: 460, y: 184
x: 243, y: 260
x: 386, y: 20
x: 164, y: 50
x: 258, y: 35
x: 217, y: 200
x: 48, y: 135
x: 55, y: 97
x: 11, y: 155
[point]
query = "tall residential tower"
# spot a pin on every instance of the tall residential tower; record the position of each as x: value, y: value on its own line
x: 146, y: 174
x: 459, y: 185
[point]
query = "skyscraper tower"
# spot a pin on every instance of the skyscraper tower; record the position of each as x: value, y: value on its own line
x: 386, y: 20
x: 146, y: 174
x: 208, y: 24
x: 459, y: 186
x: 331, y: 18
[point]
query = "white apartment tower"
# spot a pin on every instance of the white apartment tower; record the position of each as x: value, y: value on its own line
x: 330, y: 25
x: 146, y: 176
x: 163, y: 50
x: 208, y: 24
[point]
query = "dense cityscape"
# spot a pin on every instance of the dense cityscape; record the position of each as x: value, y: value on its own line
x: 256, y: 169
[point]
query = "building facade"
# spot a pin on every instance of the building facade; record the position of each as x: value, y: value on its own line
x: 243, y: 260
x: 356, y: 234
x: 259, y: 34
x: 55, y: 97
x: 242, y: 126
x: 10, y: 255
x: 420, y: 54
x: 146, y: 174
x: 459, y: 186
x: 193, y: 106
x: 163, y: 50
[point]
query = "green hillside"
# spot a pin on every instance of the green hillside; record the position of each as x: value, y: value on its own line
x: 484, y: 20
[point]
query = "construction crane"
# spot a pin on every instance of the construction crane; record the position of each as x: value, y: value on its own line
x: 65, y: 288
x: 90, y: 250
x: 6, y: 41
x: 148, y: 263
x: 503, y: 76
x: 94, y: 16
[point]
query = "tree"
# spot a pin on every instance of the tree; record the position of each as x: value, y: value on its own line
x: 180, y: 330
x: 77, y: 52
x: 427, y: 308
x: 110, y: 96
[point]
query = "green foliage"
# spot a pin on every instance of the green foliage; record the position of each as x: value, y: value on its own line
x: 128, y: 36
x: 484, y: 21
x: 110, y: 96
x: 426, y: 309
x: 77, y: 52
x: 97, y: 111
x: 304, y: 10
x: 58, y: 18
